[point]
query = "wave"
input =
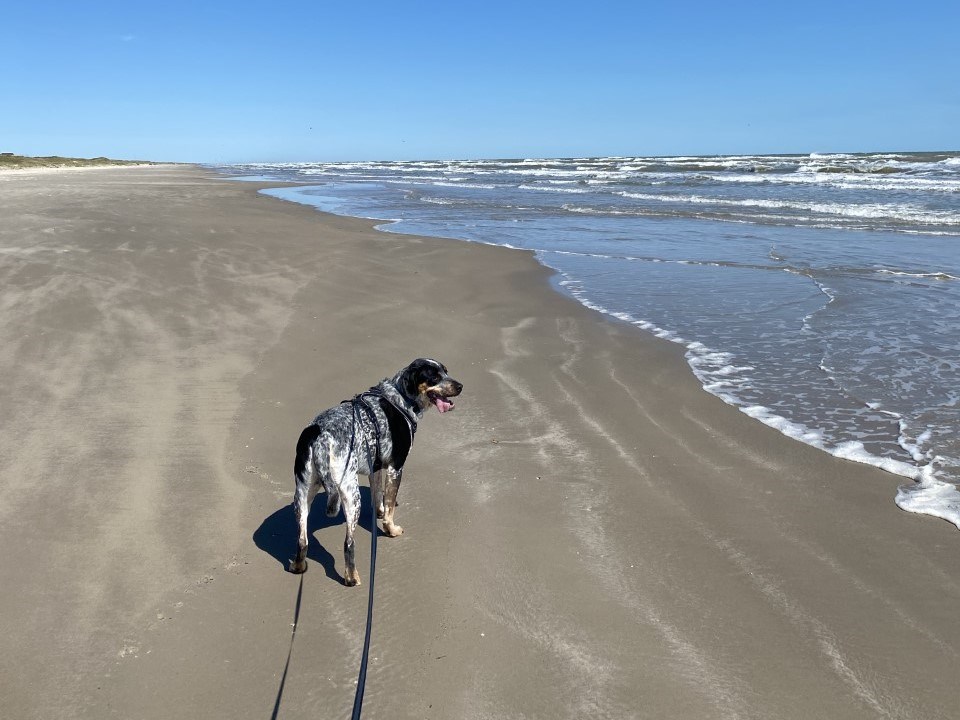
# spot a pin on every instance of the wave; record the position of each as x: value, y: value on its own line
x: 851, y: 159
x: 904, y: 213
x: 458, y: 184
x: 469, y: 203
x: 555, y: 189
x: 931, y: 275
x: 857, y: 169
x: 446, y: 201
x: 879, y: 173
x: 850, y: 182
x: 836, y: 222
x: 780, y: 265
x: 916, y: 193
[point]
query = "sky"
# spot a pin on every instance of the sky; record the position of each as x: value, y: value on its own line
x: 210, y: 81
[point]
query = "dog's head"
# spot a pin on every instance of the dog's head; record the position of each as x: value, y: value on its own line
x: 426, y: 382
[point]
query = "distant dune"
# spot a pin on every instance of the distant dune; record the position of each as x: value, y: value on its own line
x: 11, y: 161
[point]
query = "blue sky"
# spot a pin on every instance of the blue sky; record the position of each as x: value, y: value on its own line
x: 286, y: 81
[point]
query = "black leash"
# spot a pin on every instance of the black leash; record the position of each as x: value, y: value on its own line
x: 357, y: 402
x: 293, y: 635
x: 361, y: 400
x: 362, y: 677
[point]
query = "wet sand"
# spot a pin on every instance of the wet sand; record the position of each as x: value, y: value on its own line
x: 589, y: 534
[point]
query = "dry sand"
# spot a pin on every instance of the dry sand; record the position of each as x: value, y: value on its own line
x: 589, y: 535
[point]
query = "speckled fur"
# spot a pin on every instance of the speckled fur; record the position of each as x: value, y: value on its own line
x: 341, y: 443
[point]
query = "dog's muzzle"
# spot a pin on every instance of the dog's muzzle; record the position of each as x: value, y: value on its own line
x: 440, y: 396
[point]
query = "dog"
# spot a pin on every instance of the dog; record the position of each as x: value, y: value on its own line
x: 370, y: 435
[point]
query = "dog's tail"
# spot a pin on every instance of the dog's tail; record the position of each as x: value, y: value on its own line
x: 303, y: 465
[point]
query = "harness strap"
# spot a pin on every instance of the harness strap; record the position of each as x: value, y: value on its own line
x: 393, y: 413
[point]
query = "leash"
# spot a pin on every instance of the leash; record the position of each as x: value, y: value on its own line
x: 362, y: 677
x: 286, y: 667
x: 361, y: 400
x: 356, y: 402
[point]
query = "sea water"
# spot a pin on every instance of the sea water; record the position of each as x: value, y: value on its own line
x: 819, y: 294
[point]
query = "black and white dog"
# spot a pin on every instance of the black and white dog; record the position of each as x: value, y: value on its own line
x: 370, y: 434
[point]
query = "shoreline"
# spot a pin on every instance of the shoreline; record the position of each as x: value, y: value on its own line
x: 921, y: 491
x: 589, y: 534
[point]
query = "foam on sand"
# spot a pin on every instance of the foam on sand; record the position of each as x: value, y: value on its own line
x: 720, y: 377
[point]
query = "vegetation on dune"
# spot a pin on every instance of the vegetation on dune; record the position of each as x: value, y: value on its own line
x: 16, y: 162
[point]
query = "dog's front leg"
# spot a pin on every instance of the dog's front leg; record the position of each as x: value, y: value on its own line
x: 350, y: 500
x: 376, y: 492
x: 391, y: 488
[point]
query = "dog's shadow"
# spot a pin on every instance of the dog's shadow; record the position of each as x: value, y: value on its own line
x: 277, y: 534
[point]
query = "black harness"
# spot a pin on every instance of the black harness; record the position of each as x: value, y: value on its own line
x: 402, y: 425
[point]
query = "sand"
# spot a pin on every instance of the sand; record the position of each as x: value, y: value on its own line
x: 589, y: 534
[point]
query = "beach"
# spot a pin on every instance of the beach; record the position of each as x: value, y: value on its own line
x: 589, y: 534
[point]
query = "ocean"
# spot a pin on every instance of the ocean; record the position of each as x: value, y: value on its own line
x: 819, y: 294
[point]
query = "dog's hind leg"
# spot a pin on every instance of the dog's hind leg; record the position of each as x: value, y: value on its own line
x: 350, y: 499
x: 301, y: 505
x: 305, y: 480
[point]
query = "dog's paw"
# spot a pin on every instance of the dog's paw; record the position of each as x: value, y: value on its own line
x: 380, y: 513
x: 352, y: 580
x: 298, y: 567
x: 391, y: 530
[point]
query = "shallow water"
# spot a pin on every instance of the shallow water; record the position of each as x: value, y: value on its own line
x: 819, y: 294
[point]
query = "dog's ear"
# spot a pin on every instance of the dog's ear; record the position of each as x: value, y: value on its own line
x: 408, y: 384
x: 410, y: 379
x: 419, y: 371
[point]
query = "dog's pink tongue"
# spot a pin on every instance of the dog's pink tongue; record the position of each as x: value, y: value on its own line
x: 442, y: 405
